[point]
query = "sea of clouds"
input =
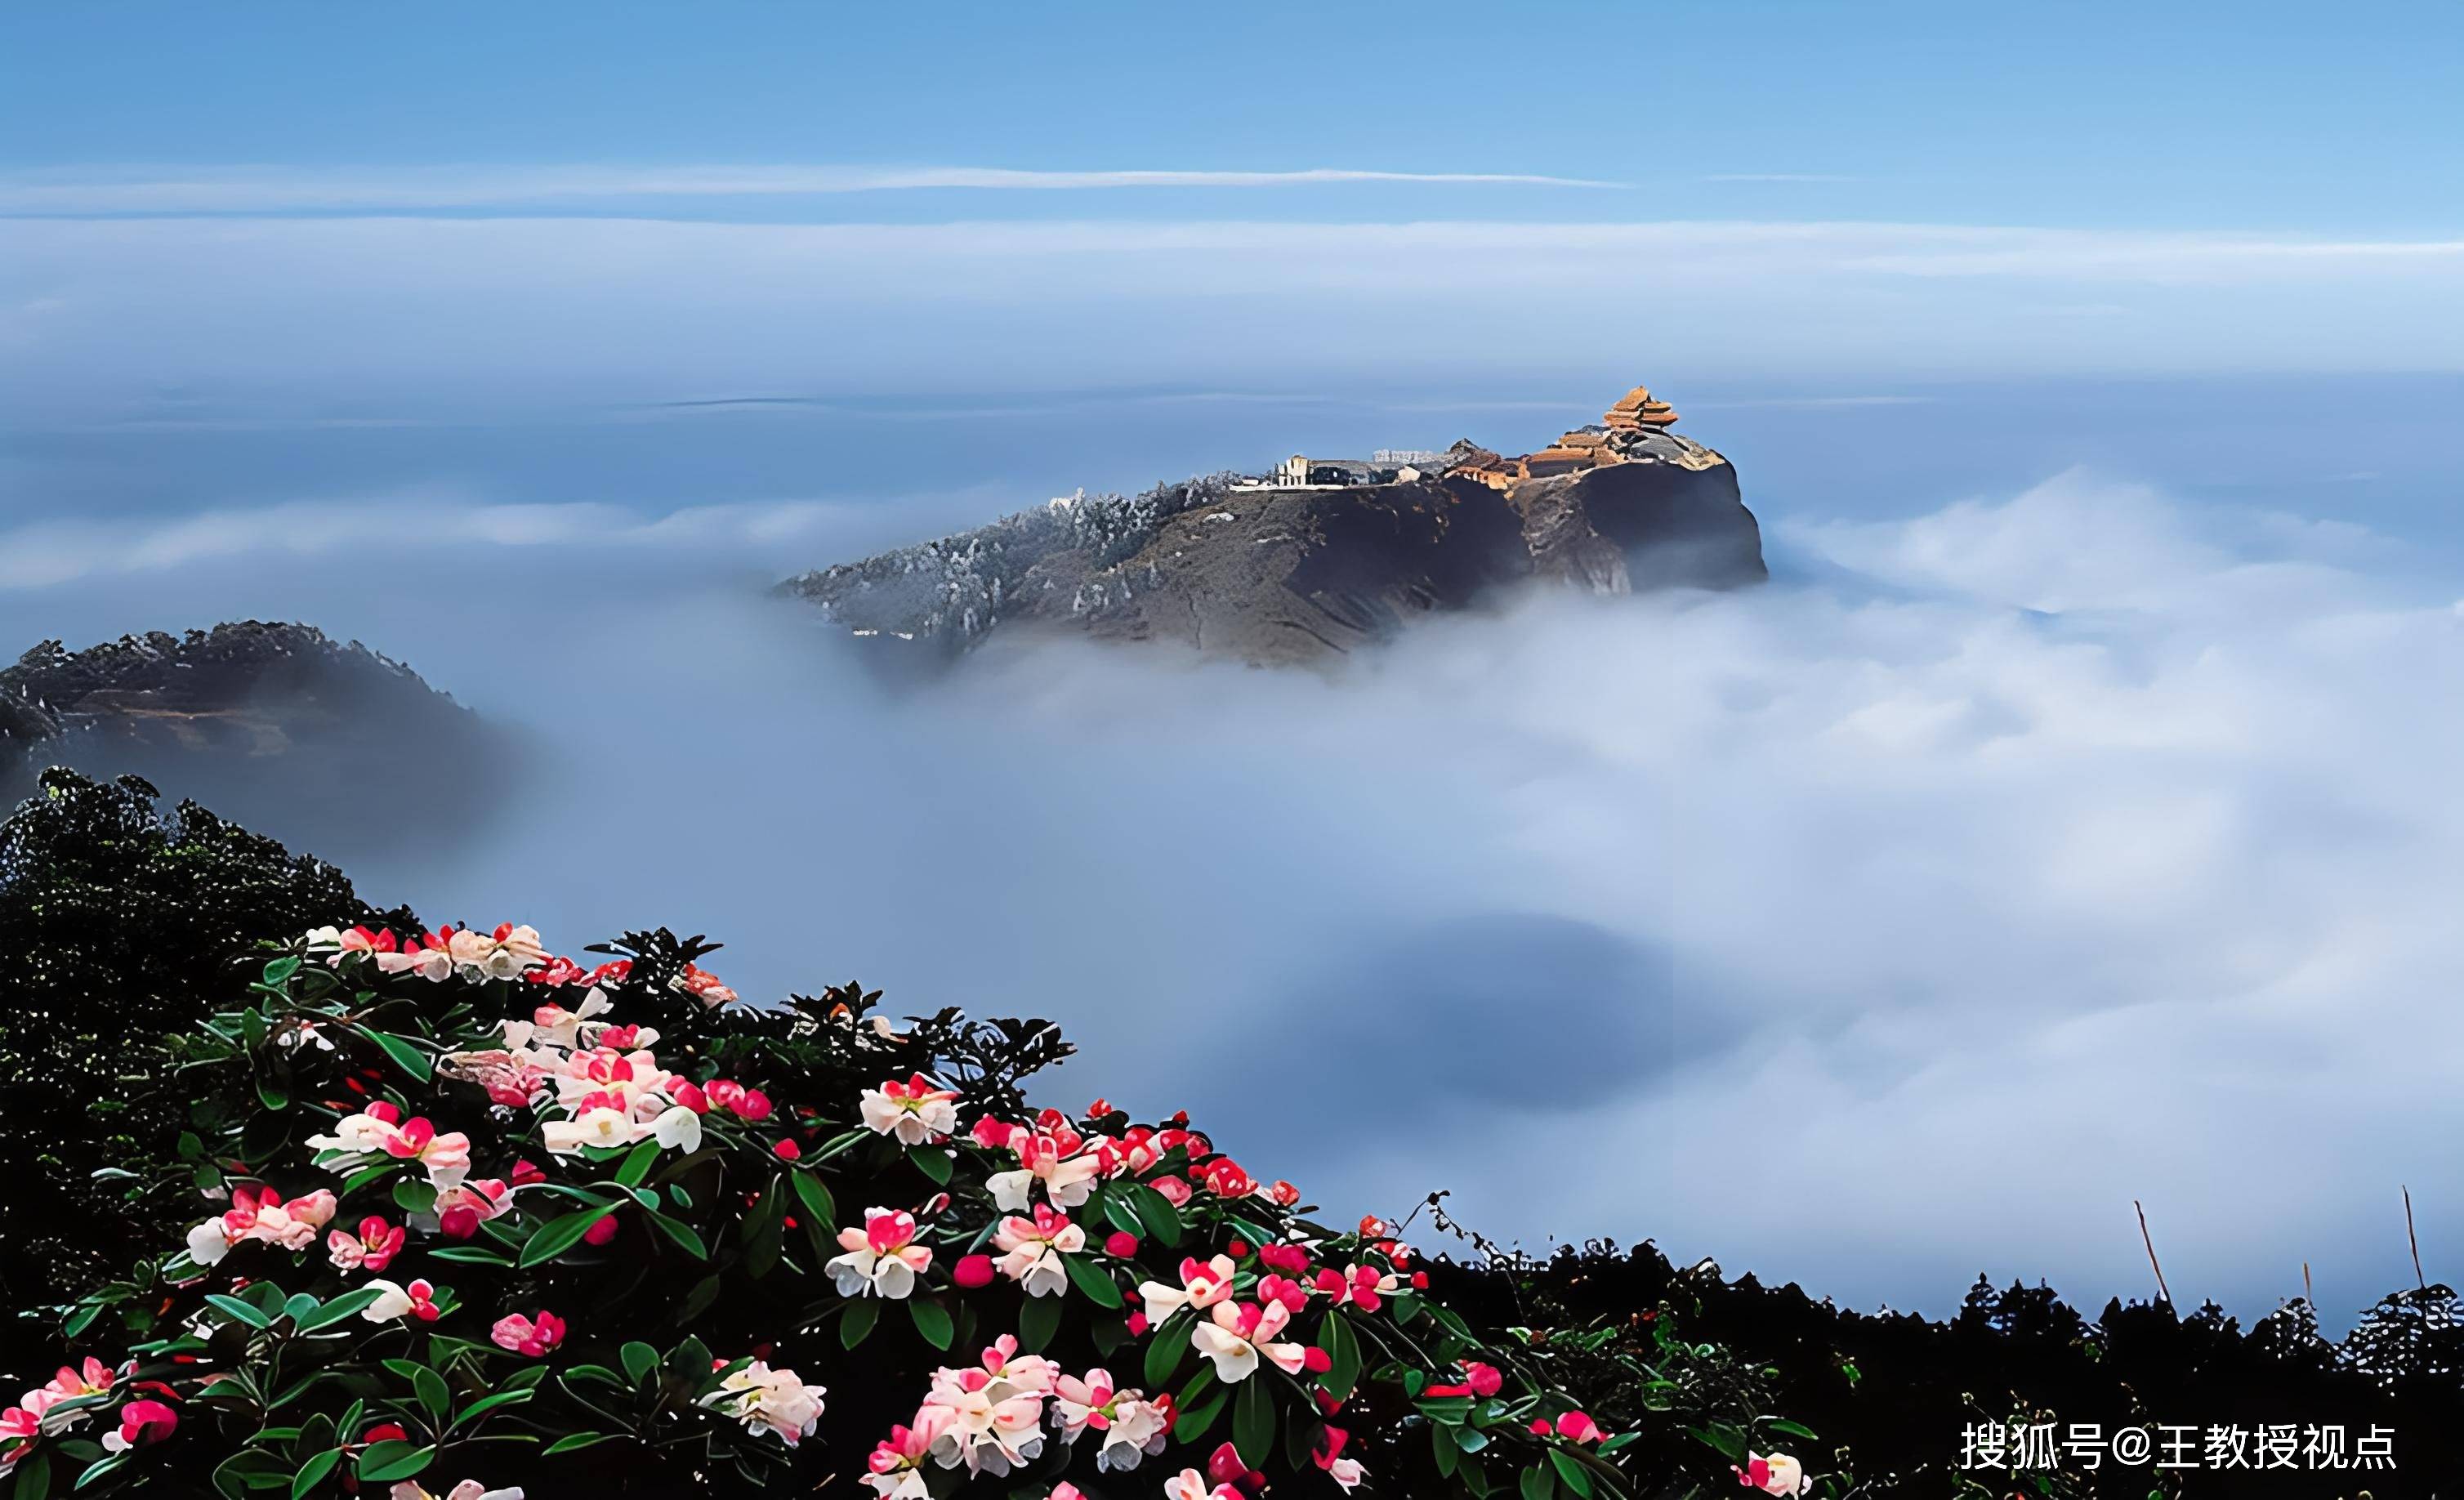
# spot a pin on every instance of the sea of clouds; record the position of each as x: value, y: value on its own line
x: 1904, y: 918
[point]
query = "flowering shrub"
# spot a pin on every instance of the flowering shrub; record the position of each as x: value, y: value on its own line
x: 480, y: 1220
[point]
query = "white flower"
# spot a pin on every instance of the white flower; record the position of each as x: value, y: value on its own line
x: 761, y: 1397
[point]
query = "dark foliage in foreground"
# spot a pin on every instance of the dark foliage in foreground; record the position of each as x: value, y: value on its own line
x: 119, y: 925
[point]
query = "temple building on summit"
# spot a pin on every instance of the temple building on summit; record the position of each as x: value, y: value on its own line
x: 1612, y: 440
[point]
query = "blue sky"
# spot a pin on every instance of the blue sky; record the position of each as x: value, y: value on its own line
x: 2185, y: 114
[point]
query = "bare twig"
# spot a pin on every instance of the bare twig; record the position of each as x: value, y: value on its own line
x: 2419, y: 1280
x: 2166, y: 1291
x: 2307, y: 1296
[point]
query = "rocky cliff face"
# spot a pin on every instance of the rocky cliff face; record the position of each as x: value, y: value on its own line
x: 1295, y: 573
x: 277, y: 725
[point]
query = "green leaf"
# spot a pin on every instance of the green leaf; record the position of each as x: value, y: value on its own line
x: 1537, y: 1484
x: 697, y: 1301
x: 413, y: 1196
x: 487, y: 1403
x: 472, y: 1255
x: 1092, y: 1280
x: 1195, y: 1422
x: 279, y: 972
x: 406, y: 1056
x: 100, y: 1471
x: 1441, y: 1445
x: 298, y: 1305
x: 857, y: 1323
x: 246, y: 1312
x: 272, y: 1094
x: 640, y: 1359
x: 679, y: 1231
x: 560, y: 1234
x: 1343, y: 1355
x: 931, y: 1320
x: 337, y: 1309
x: 574, y: 1440
x: 432, y: 1392
x: 312, y: 1473
x: 1156, y: 1213
x: 1037, y: 1322
x: 34, y: 1476
x: 1253, y: 1420
x: 1572, y: 1473
x: 933, y: 1161
x: 1792, y: 1428
x: 638, y: 1162
x: 385, y: 1462
x: 1170, y: 1347
x: 815, y: 1195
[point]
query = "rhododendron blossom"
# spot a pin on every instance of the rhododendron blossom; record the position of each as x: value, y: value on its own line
x: 897, y: 1462
x: 1203, y: 1285
x: 774, y: 1401
x: 1241, y: 1335
x: 703, y: 985
x: 467, y: 1489
x: 373, y: 1248
x: 1132, y: 1428
x: 1778, y: 1475
x: 532, y: 1337
x: 260, y: 1214
x: 460, y: 1211
x: 141, y: 1422
x: 882, y: 1258
x: 916, y: 1111
x: 1032, y: 1249
x: 1191, y: 1485
x: 1068, y: 1178
x: 416, y: 1300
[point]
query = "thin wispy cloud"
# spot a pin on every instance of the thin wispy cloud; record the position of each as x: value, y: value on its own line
x: 277, y: 190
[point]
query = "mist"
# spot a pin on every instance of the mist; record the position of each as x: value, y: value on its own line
x: 1903, y: 919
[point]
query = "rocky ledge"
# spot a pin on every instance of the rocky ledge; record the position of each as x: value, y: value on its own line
x: 1323, y: 555
x: 276, y: 724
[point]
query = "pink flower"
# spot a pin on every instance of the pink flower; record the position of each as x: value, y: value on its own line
x: 1191, y: 1485
x: 916, y: 1111
x: 416, y: 1300
x: 973, y: 1272
x: 532, y: 1337
x: 373, y: 1248
x: 703, y: 985
x: 754, y: 1106
x: 1032, y: 1251
x: 141, y: 1421
x: 91, y: 1378
x: 1175, y: 1192
x: 1203, y: 1285
x: 882, y: 1258
x: 461, y: 1211
x: 1577, y: 1427
x: 1778, y: 1475
x: 1484, y: 1379
x: 1241, y: 1335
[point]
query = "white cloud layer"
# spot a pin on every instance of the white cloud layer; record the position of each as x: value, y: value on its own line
x: 1871, y: 932
x: 279, y: 189
x: 106, y: 312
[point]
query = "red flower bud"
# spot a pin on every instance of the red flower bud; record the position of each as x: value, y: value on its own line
x: 972, y: 1271
x: 787, y: 1150
x: 602, y: 1232
x: 1137, y: 1324
x: 1316, y: 1360
x: 1120, y: 1245
x: 755, y: 1106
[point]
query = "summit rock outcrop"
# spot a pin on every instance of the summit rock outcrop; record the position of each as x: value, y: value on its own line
x: 1276, y: 569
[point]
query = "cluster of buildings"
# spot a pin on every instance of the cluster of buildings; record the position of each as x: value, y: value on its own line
x: 1590, y: 447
